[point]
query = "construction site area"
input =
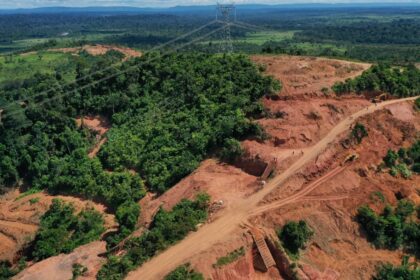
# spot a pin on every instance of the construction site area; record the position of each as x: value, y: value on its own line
x: 307, y: 169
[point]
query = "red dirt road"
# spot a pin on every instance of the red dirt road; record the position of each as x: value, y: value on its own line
x: 299, y: 195
x: 234, y: 216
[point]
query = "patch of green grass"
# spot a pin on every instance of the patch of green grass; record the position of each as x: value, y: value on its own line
x: 260, y: 38
x: 34, y: 200
x: 375, y: 196
x: 21, y: 44
x: 21, y: 67
x: 78, y: 270
x: 27, y: 193
x: 230, y: 258
x: 417, y: 104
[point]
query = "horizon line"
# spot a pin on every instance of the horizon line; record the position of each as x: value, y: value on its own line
x: 412, y: 2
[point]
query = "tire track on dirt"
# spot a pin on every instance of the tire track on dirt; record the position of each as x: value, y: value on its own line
x: 19, y: 226
x: 6, y: 241
x: 231, y: 218
x: 300, y: 194
x: 325, y: 198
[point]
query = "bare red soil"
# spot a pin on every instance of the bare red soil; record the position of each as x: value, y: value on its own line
x: 19, y: 219
x: 320, y: 188
x: 99, y: 125
x: 61, y: 267
x: 100, y: 50
x: 311, y: 181
x: 224, y: 183
x: 308, y: 75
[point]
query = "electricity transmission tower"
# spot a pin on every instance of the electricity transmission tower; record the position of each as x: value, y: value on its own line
x: 226, y: 12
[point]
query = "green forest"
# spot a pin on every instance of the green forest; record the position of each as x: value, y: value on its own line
x: 61, y: 231
x: 376, y: 34
x: 168, y: 113
x: 394, y: 228
x: 398, y: 81
x: 167, y: 228
x: 170, y: 110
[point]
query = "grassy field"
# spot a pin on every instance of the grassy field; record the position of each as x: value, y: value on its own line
x: 20, y: 67
x: 22, y: 45
x: 259, y: 38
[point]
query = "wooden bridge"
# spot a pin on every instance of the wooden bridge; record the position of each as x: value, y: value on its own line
x: 271, y: 166
x: 262, y: 247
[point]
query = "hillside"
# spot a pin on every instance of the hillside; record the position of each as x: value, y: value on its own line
x: 161, y: 143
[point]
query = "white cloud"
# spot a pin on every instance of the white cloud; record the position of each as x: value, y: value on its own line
x: 161, y: 3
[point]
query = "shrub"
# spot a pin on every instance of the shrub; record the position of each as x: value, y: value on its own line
x: 391, y: 158
x: 402, y: 161
x: 230, y: 258
x: 359, y: 132
x: 184, y: 272
x: 127, y: 215
x: 416, y: 168
x: 61, y: 231
x: 403, y: 170
x: 379, y: 195
x: 167, y: 228
x: 403, y: 272
x: 401, y: 82
x: 6, y: 271
x: 294, y: 236
x: 393, y: 228
x: 231, y: 150
x: 417, y: 104
x: 78, y: 270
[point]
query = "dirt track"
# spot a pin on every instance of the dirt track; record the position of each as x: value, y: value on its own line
x: 301, y: 194
x: 232, y: 217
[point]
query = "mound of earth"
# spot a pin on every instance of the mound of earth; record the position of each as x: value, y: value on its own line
x: 224, y: 183
x: 100, y: 50
x: 308, y: 75
x: 19, y: 219
x: 61, y: 267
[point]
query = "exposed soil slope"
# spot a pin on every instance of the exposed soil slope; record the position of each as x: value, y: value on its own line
x: 308, y: 75
x: 100, y: 50
x: 61, y: 267
x: 19, y: 219
x: 99, y: 125
x: 212, y: 233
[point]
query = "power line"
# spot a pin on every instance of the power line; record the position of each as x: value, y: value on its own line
x: 225, y: 11
x: 111, y: 66
x: 12, y: 113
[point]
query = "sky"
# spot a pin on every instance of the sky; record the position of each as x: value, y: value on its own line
x: 163, y: 3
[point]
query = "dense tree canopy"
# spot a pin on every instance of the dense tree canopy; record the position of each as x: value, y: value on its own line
x: 184, y: 272
x: 167, y: 228
x: 393, y: 229
x: 294, y: 236
x: 61, y: 230
x: 406, y: 271
x: 398, y: 81
x: 404, y: 161
x: 167, y: 114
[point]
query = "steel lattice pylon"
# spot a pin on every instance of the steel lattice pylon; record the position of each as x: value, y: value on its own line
x: 226, y: 11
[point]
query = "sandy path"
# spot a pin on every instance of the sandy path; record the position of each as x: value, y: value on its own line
x: 97, y: 148
x: 300, y: 194
x: 232, y: 217
x: 6, y: 241
x: 19, y: 226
